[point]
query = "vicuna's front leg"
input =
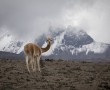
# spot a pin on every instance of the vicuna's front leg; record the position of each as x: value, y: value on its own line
x: 38, y: 63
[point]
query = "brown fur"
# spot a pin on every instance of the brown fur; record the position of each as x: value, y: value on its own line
x: 33, y: 53
x: 32, y: 49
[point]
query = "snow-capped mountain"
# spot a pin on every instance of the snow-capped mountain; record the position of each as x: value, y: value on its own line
x: 72, y: 43
x: 68, y: 43
x: 10, y: 44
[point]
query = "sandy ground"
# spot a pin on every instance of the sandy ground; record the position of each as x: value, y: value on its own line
x: 56, y: 75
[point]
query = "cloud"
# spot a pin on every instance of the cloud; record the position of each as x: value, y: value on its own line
x: 27, y: 19
x: 92, y: 16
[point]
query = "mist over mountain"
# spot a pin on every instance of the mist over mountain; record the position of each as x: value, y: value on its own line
x: 68, y: 44
x: 72, y: 43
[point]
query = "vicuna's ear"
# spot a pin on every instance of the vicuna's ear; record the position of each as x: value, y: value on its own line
x: 48, y: 38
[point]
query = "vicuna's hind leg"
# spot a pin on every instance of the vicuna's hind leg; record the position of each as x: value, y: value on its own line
x: 32, y: 63
x: 35, y: 60
x: 38, y: 63
x: 27, y: 63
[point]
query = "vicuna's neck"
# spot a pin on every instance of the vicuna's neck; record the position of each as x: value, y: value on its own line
x: 46, y: 48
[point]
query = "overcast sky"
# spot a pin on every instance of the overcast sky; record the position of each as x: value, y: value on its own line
x: 30, y: 18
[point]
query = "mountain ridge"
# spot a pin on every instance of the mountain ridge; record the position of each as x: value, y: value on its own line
x: 68, y: 43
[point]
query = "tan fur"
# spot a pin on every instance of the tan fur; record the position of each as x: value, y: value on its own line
x: 33, y: 52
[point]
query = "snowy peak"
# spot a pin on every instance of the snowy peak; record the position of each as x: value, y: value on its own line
x: 68, y: 36
x: 77, y: 39
x: 68, y: 43
x: 9, y: 44
x: 72, y: 43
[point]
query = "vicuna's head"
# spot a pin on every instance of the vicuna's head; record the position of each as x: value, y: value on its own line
x: 49, y: 40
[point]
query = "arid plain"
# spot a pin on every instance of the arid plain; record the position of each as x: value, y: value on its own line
x: 55, y: 75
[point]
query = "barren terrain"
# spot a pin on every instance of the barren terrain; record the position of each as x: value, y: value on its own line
x: 55, y: 75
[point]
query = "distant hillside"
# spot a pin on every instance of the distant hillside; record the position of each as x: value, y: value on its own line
x: 8, y: 55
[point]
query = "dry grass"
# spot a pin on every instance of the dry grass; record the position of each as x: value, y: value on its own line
x: 56, y: 75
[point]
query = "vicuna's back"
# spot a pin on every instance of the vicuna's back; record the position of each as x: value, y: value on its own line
x: 32, y: 49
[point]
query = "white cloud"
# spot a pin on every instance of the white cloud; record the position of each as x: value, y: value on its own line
x: 29, y: 18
